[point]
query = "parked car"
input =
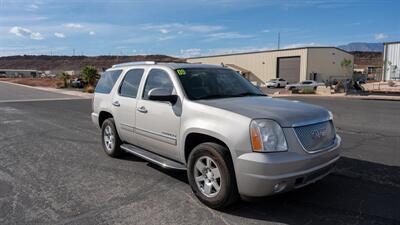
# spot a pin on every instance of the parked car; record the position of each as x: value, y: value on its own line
x: 77, y: 83
x: 231, y: 138
x: 3, y: 75
x: 277, y: 83
x: 304, y: 84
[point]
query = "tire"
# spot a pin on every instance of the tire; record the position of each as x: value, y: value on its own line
x: 111, y: 143
x: 220, y: 160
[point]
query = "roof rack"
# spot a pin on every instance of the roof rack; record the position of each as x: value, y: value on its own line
x: 134, y: 63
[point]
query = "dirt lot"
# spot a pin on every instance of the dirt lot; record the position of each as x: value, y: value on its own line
x: 39, y: 82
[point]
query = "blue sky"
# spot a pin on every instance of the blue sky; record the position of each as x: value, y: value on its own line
x: 190, y: 27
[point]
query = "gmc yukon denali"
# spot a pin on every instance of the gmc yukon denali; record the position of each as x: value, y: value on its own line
x: 231, y: 139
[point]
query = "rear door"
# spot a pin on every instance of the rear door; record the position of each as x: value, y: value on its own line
x: 124, y: 104
x: 157, y: 123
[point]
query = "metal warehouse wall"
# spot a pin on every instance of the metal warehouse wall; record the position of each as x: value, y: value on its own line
x: 391, y: 55
x: 326, y: 62
x: 261, y: 64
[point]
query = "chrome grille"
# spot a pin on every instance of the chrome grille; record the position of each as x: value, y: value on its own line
x: 315, y: 137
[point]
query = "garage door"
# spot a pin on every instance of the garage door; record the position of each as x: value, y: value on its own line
x: 289, y: 69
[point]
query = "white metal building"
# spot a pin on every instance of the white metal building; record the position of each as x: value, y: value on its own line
x: 293, y: 65
x: 391, y: 61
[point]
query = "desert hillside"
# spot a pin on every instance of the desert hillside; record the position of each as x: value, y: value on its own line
x: 63, y: 63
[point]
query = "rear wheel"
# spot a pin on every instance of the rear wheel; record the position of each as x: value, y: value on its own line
x: 110, y: 138
x: 211, y: 175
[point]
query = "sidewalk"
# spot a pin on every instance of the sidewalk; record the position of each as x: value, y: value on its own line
x: 72, y: 92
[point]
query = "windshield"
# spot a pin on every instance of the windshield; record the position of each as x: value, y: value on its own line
x: 210, y: 83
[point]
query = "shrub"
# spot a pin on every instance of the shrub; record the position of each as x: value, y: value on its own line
x: 89, y: 89
x: 65, y: 77
x: 89, y: 75
x: 339, y: 87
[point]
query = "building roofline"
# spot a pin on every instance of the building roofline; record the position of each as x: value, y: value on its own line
x: 266, y: 51
x: 392, y: 42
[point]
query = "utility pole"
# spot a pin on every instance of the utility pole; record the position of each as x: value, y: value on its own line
x: 279, y: 40
x: 73, y: 52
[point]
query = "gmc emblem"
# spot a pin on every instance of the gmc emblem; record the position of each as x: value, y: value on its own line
x: 319, y: 133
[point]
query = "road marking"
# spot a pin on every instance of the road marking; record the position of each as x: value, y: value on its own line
x: 40, y: 100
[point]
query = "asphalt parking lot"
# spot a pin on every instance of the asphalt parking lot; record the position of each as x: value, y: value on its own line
x: 53, y: 171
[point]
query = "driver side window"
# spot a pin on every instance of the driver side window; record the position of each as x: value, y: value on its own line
x: 157, y: 78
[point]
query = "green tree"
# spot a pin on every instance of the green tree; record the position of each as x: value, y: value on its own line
x: 65, y: 77
x: 346, y: 65
x: 89, y: 74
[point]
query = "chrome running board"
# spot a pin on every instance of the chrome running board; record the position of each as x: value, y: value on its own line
x: 153, y: 158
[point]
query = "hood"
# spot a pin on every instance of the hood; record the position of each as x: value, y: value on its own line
x: 287, y: 113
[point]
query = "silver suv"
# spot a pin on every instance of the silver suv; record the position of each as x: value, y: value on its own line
x: 209, y: 120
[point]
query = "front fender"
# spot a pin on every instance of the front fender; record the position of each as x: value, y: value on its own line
x: 226, y: 126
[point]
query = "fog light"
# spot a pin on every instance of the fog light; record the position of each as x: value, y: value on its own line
x: 279, y: 187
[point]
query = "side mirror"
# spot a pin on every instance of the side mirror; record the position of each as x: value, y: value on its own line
x: 162, y: 94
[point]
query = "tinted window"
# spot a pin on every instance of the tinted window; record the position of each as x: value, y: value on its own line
x: 157, y: 78
x: 208, y: 83
x: 130, y: 84
x: 107, y: 81
x: 307, y: 82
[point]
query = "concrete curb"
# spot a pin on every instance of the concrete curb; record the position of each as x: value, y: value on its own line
x: 55, y: 90
x: 367, y: 97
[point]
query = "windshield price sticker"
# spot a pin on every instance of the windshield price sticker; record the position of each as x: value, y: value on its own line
x: 181, y: 72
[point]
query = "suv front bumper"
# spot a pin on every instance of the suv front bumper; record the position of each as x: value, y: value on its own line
x: 263, y: 174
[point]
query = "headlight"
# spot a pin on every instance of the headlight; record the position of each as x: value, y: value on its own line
x: 267, y: 136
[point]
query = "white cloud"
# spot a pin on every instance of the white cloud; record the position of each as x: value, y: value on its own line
x: 37, y: 36
x: 195, y: 52
x: 24, y: 32
x: 92, y: 33
x: 226, y: 35
x: 164, y: 31
x: 265, y: 31
x: 32, y: 7
x: 73, y: 25
x: 380, y: 36
x: 166, y: 38
x: 299, y: 45
x: 191, y: 52
x: 59, y: 35
x: 178, y: 27
x: 204, y: 28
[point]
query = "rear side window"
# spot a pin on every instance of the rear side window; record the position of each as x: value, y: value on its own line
x: 107, y: 81
x: 157, y: 78
x: 130, y: 84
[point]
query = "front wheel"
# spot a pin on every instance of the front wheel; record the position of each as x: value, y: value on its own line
x: 211, y: 175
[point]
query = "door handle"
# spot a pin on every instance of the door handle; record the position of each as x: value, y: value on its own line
x: 116, y: 103
x: 142, y: 109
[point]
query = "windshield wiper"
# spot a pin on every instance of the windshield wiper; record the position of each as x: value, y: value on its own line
x: 249, y: 94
